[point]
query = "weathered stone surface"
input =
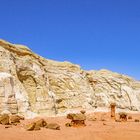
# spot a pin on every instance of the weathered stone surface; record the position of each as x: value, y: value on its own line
x: 41, y: 123
x: 123, y: 116
x: 115, y: 88
x: 68, y: 124
x: 4, y: 119
x: 76, y: 116
x: 30, y: 127
x: 137, y: 120
x: 31, y: 85
x: 77, y: 119
x: 15, y: 119
x: 53, y: 126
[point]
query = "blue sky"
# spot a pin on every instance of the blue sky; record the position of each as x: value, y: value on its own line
x: 95, y: 34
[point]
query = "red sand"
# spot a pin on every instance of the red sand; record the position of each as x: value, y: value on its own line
x: 95, y: 130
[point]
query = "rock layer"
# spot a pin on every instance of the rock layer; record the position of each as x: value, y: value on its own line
x: 32, y: 85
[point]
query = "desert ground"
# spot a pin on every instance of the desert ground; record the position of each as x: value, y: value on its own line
x: 103, y: 128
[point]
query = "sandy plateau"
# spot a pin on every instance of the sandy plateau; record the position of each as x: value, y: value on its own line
x: 103, y: 128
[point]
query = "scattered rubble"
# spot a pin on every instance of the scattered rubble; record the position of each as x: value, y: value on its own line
x: 137, y: 120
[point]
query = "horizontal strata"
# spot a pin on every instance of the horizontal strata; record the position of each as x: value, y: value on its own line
x: 32, y: 85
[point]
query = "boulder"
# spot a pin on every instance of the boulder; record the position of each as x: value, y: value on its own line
x: 76, y: 116
x: 77, y: 119
x: 137, y: 120
x: 130, y: 117
x: 53, y: 126
x: 8, y: 126
x: 41, y: 123
x: 68, y: 124
x: 30, y: 127
x: 15, y: 119
x: 4, y: 119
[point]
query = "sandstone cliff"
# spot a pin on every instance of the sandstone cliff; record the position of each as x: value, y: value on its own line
x: 31, y: 85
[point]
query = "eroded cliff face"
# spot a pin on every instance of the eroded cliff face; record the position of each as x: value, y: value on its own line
x: 31, y: 85
x: 112, y: 87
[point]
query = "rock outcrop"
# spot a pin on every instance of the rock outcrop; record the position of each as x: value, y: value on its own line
x: 110, y: 87
x: 31, y: 85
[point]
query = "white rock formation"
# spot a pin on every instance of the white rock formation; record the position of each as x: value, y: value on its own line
x: 113, y: 87
x: 31, y: 85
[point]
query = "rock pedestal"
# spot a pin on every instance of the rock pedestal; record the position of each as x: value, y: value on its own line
x: 113, y: 107
x: 123, y: 116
